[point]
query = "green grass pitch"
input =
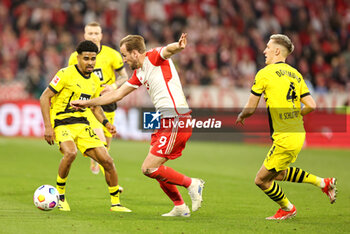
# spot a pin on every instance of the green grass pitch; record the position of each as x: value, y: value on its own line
x: 232, y: 202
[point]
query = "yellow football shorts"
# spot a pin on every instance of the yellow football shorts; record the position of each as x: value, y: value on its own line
x: 82, y: 135
x: 284, y: 151
x: 94, y: 123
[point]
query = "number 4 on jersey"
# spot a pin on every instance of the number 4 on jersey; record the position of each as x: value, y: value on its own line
x: 292, y: 94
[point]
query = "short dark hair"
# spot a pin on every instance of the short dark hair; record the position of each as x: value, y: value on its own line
x: 87, y: 46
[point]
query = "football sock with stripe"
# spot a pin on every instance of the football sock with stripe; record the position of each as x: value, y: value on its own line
x: 169, y: 175
x: 114, y: 192
x: 61, y: 184
x: 297, y: 175
x: 277, y: 195
x: 172, y: 192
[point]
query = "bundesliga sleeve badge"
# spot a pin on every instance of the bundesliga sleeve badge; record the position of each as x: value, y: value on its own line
x: 55, y: 80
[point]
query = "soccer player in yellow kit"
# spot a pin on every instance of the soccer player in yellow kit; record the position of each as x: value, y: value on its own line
x: 70, y: 128
x: 284, y: 90
x: 108, y: 61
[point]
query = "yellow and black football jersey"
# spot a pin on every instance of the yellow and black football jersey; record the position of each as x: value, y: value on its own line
x: 283, y: 87
x: 108, y: 60
x: 70, y: 84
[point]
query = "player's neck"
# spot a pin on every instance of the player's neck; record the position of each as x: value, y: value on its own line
x: 80, y: 70
x: 142, y: 59
x: 278, y: 59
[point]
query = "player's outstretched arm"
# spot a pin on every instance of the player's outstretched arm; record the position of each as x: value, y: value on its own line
x: 122, y: 77
x: 175, y: 47
x: 249, y: 109
x: 107, y: 98
x: 45, y: 98
x: 309, y: 105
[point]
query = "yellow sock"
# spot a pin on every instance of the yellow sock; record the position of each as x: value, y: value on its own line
x: 276, y: 194
x: 298, y: 175
x: 61, y: 184
x: 114, y: 192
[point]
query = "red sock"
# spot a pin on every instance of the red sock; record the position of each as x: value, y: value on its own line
x: 172, y: 192
x: 169, y: 175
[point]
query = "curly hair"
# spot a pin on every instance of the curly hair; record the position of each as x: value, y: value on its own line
x: 87, y: 46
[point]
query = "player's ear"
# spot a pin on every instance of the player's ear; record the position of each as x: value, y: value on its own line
x: 135, y: 53
x: 277, y: 51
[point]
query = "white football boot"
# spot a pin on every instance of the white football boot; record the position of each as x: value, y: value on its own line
x: 181, y: 210
x: 195, y: 191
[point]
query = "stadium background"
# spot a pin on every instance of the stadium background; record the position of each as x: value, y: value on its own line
x: 226, y: 40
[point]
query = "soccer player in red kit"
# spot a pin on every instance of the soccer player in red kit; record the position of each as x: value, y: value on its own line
x: 156, y: 71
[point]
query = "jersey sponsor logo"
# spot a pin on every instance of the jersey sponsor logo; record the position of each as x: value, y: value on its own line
x: 84, y: 96
x: 98, y: 72
x: 55, y: 80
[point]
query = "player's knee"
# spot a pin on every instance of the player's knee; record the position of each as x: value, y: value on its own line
x: 144, y: 169
x: 70, y: 156
x: 107, y: 163
x: 258, y: 182
x: 147, y: 171
x: 281, y: 175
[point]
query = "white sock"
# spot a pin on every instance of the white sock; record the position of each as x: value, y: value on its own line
x: 322, y: 184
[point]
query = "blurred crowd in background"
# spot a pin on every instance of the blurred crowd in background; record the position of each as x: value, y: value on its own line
x: 226, y: 37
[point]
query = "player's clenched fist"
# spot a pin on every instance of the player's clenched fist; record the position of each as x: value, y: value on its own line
x: 111, y: 128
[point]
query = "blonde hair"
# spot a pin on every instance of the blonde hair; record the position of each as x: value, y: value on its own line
x: 133, y: 42
x: 284, y: 41
x: 93, y: 24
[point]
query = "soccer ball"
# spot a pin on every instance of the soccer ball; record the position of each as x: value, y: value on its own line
x: 46, y: 197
